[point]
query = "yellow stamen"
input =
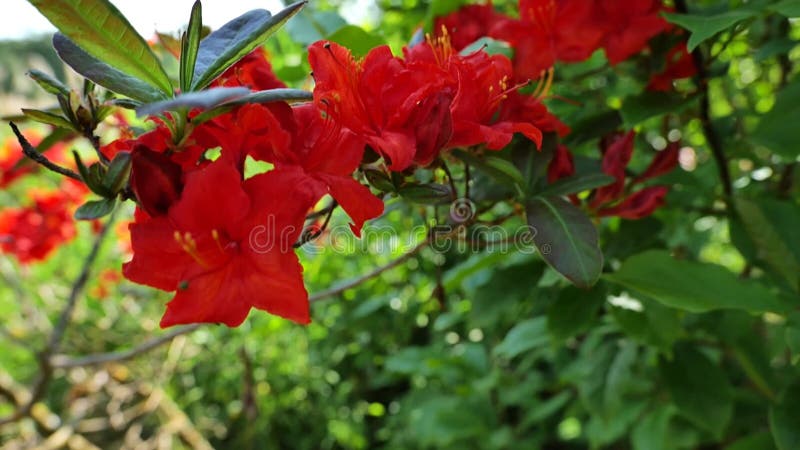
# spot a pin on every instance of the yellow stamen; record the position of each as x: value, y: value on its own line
x: 189, y: 245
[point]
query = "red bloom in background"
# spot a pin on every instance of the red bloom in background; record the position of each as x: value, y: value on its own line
x: 325, y: 156
x: 14, y: 164
x: 680, y: 64
x: 469, y: 24
x: 526, y: 108
x: 225, y: 247
x: 253, y: 71
x: 550, y: 31
x: 32, y: 233
x: 611, y: 200
x: 629, y: 24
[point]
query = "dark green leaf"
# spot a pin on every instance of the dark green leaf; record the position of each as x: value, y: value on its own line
x: 777, y: 129
x: 267, y: 96
x: 593, y: 127
x: 356, y: 39
x: 789, y: 8
x: 525, y: 335
x: 190, y: 43
x: 772, y: 225
x: 118, y: 172
x: 761, y: 440
x: 700, y: 389
x: 205, y: 99
x: 637, y: 109
x: 574, y: 311
x: 48, y: 118
x: 692, y: 286
x: 784, y: 419
x: 104, y: 33
x: 103, y: 74
x: 704, y: 27
x: 500, y: 169
x: 48, y: 83
x: 95, y: 209
x: 566, y: 239
x: 222, y: 48
x: 576, y: 184
x: 426, y: 194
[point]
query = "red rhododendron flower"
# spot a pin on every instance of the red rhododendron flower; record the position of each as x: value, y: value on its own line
x: 326, y: 156
x: 377, y: 98
x: 561, y: 166
x: 225, y: 247
x: 32, y: 233
x: 550, y: 31
x: 665, y: 161
x: 680, y: 64
x: 253, y: 71
x: 518, y: 107
x: 617, y: 150
x: 469, y: 23
x: 638, y: 205
x: 155, y: 179
x: 630, y: 25
x: 481, y: 82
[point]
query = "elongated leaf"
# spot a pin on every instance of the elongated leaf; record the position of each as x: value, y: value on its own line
x: 784, y: 419
x: 500, y: 169
x: 574, y: 311
x: 267, y: 96
x: 102, y: 31
x: 48, y: 118
x: 566, y: 239
x: 222, y: 48
x: 692, y: 286
x: 524, y: 336
x: 772, y: 225
x: 426, y: 194
x: 48, y: 83
x: 103, y: 74
x: 575, y: 184
x: 206, y: 99
x: 95, y: 209
x: 638, y: 108
x: 704, y: 27
x: 776, y: 129
x: 699, y: 388
x: 190, y: 45
x: 789, y: 8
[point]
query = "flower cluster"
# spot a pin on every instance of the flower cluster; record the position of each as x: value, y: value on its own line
x: 223, y: 240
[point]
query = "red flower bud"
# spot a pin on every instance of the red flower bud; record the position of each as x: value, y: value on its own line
x: 663, y: 162
x: 638, y: 205
x: 155, y: 179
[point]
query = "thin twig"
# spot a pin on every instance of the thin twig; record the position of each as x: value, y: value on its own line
x: 713, y: 138
x: 367, y: 276
x: 65, y: 362
x: 450, y: 180
x: 31, y: 152
x: 309, y: 235
x: 45, y: 367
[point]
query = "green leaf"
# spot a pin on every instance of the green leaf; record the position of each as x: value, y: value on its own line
x: 48, y: 118
x: 704, y: 27
x: 103, y: 74
x: 525, y: 335
x: 356, y: 39
x: 490, y: 46
x: 574, y: 311
x: 500, y: 169
x: 261, y: 97
x: 699, y: 388
x: 227, y: 45
x: 772, y: 225
x: 576, y: 184
x: 789, y: 8
x: 95, y: 209
x: 692, y: 286
x: 118, y: 172
x: 426, y: 194
x: 104, y: 33
x: 761, y: 440
x: 190, y: 42
x: 653, y: 431
x: 205, y: 99
x: 566, y: 239
x: 777, y: 129
x: 784, y: 419
x: 48, y: 83
x: 636, y: 109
